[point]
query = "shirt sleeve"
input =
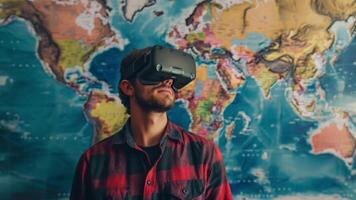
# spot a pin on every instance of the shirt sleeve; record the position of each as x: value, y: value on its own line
x: 81, y: 189
x: 218, y: 186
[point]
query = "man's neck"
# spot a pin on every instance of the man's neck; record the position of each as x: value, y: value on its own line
x: 147, y: 127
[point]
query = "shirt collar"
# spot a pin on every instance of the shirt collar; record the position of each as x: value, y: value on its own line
x: 124, y: 135
x: 173, y: 132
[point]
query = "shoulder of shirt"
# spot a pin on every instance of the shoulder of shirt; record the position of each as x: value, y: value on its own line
x: 102, y: 146
x: 188, y: 136
x: 199, y: 143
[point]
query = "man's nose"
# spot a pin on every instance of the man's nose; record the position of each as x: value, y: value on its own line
x: 168, y: 82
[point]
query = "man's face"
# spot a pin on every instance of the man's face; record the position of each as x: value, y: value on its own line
x: 158, y: 98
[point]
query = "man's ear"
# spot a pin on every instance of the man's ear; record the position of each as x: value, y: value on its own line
x: 126, y: 87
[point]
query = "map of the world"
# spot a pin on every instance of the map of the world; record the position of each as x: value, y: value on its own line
x: 275, y: 89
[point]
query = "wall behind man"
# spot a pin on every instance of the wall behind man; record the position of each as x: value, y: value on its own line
x: 274, y: 89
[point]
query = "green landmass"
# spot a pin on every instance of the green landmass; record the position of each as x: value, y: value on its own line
x: 203, y: 109
x: 73, y: 53
x: 191, y: 37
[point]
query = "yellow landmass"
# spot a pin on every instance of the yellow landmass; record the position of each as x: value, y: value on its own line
x: 305, y: 68
x: 336, y: 9
x: 298, y: 27
x: 295, y: 14
x: 265, y: 78
x: 303, y: 32
x: 112, y: 116
x: 73, y: 53
x: 229, y: 23
x: 212, y: 88
x: 342, y: 114
x: 300, y: 54
x: 298, y: 43
x: 264, y: 17
x: 201, y: 73
x: 10, y: 7
x: 310, y: 107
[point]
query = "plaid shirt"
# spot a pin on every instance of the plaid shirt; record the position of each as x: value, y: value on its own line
x: 189, y: 167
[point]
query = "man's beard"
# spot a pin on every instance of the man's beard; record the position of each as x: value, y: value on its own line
x: 152, y: 104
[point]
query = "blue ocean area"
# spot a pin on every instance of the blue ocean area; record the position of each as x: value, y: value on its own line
x: 254, y: 41
x: 140, y: 33
x: 105, y: 67
x: 148, y: 29
x: 339, y: 82
x: 42, y: 127
x: 179, y: 114
x: 345, y: 65
x: 273, y: 131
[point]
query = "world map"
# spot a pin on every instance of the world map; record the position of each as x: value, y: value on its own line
x: 275, y: 89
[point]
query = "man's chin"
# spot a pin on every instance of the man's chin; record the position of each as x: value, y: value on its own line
x: 159, y: 108
x: 163, y: 107
x: 166, y: 102
x: 156, y: 104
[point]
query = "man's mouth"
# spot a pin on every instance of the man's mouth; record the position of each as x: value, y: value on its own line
x: 166, y: 90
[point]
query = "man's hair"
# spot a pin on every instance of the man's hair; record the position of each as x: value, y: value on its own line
x: 125, y: 69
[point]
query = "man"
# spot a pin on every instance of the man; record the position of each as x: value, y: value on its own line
x: 150, y: 157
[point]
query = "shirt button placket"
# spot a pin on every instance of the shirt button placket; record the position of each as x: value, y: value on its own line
x: 148, y: 189
x: 184, y: 191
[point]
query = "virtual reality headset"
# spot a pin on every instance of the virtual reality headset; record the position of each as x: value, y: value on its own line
x: 161, y: 63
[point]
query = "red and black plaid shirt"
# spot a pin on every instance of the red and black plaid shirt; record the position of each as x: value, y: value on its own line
x: 189, y: 167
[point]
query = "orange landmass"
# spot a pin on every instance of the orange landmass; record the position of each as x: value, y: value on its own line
x: 229, y: 130
x: 332, y: 137
x: 244, y: 53
x: 60, y: 20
